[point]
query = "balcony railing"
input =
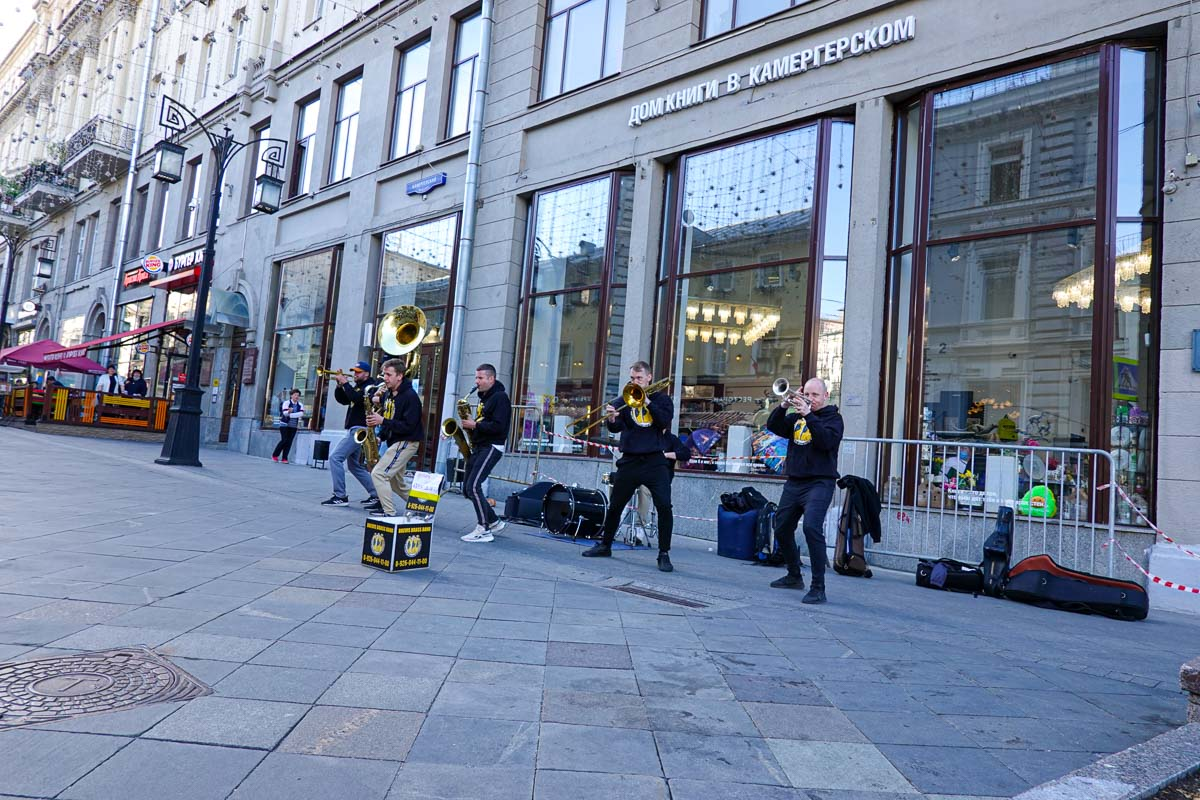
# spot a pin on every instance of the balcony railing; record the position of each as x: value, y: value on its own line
x: 45, y: 188
x: 99, y: 150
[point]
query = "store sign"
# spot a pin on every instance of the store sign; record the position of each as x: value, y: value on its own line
x: 425, y: 185
x: 153, y: 265
x: 249, y: 362
x: 192, y: 258
x: 135, y: 277
x: 801, y: 61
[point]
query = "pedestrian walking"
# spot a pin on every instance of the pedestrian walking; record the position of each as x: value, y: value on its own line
x: 291, y: 412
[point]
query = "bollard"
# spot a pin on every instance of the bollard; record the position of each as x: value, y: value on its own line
x: 1189, y: 680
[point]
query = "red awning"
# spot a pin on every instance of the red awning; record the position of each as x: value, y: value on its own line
x: 179, y: 280
x: 34, y: 355
x: 75, y: 351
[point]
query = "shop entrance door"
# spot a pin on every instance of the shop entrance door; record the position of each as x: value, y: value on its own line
x: 233, y: 383
x: 431, y: 403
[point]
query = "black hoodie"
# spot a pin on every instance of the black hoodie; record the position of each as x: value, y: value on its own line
x: 492, y: 417
x: 637, y: 440
x: 404, y: 423
x: 812, y: 441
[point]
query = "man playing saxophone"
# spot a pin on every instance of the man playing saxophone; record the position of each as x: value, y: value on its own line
x: 351, y: 392
x: 489, y: 433
x: 642, y: 463
x: 399, y: 420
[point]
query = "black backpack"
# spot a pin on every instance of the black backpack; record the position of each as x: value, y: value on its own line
x: 748, y: 499
x: 766, y: 547
x: 997, y: 554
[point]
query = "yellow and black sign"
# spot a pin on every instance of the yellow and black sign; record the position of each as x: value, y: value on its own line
x: 393, y: 544
x: 424, y: 494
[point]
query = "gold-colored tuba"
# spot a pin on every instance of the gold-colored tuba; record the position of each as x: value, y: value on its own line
x: 451, y: 429
x: 400, y: 333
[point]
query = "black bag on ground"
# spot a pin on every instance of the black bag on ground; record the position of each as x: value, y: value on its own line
x: 525, y: 506
x: 849, y: 548
x: 949, y: 575
x: 1042, y: 582
x: 997, y: 554
x: 766, y: 546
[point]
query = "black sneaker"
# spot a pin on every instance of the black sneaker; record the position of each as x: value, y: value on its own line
x: 373, y: 507
x: 370, y: 501
x: 789, y: 581
x: 815, y: 595
x: 598, y: 550
x: 336, y: 501
x: 664, y: 563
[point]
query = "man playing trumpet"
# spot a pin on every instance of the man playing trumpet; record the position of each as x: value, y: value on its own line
x: 813, y: 430
x: 348, y: 453
x: 643, y: 431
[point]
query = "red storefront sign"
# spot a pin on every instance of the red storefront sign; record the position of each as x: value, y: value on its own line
x: 135, y: 277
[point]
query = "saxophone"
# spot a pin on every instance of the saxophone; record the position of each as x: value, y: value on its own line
x: 366, y: 437
x: 451, y: 428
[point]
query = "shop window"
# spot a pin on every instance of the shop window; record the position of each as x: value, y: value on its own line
x: 410, y: 99
x: 1018, y: 280
x: 462, y: 76
x: 305, y: 312
x: 345, y: 129
x: 577, y: 266
x: 754, y: 295
x: 725, y: 15
x: 131, y: 316
x: 584, y: 39
x: 304, y: 150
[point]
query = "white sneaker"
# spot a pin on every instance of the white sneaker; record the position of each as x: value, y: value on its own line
x: 480, y: 534
x: 496, y: 526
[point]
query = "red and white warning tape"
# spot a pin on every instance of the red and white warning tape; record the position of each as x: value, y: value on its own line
x: 1146, y: 519
x: 1154, y: 578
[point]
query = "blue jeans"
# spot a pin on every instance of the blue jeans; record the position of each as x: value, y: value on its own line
x: 810, y: 498
x: 348, y: 452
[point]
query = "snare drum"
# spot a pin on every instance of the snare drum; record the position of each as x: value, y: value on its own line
x: 574, y: 511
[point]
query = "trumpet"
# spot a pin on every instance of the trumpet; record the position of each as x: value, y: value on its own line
x: 331, y: 373
x: 632, y: 396
x: 784, y: 391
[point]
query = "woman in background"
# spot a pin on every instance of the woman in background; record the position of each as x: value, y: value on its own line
x: 290, y: 413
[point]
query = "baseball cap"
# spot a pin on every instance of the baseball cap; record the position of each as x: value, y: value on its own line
x: 362, y: 365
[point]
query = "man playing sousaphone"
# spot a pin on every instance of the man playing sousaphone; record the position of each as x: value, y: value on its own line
x: 643, y: 432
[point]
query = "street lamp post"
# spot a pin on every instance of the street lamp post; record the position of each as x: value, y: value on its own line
x: 182, y: 443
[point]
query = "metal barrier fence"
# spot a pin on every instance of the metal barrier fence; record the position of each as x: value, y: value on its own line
x: 940, y: 498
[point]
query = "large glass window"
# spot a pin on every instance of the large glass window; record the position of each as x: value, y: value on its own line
x: 584, y: 39
x: 345, y: 129
x: 577, y: 268
x: 418, y: 263
x: 462, y: 79
x: 1035, y: 308
x: 725, y: 15
x: 410, y: 99
x: 131, y: 316
x: 305, y: 146
x: 757, y: 288
x: 304, y: 320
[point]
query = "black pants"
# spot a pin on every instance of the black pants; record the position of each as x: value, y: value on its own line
x: 481, y: 463
x: 652, y: 471
x: 286, y: 435
x: 810, y: 498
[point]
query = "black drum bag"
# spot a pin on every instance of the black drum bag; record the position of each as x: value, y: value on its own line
x: 525, y: 506
x: 1040, y: 581
x: 949, y: 575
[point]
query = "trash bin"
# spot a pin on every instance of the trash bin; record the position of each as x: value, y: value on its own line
x: 320, y: 453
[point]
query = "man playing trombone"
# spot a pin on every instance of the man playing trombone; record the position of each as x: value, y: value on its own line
x: 643, y: 428
x: 813, y: 430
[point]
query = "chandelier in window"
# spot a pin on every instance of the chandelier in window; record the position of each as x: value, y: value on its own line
x: 1078, y: 289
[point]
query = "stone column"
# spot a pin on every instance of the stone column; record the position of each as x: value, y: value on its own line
x: 644, y: 244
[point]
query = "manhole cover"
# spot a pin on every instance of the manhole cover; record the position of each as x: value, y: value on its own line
x: 62, y: 687
x: 664, y: 597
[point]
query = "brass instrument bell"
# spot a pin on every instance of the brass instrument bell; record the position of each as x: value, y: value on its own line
x: 400, y: 333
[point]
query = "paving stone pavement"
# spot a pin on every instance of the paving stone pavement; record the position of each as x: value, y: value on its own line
x: 513, y: 669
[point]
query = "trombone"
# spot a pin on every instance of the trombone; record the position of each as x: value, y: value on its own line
x: 632, y: 396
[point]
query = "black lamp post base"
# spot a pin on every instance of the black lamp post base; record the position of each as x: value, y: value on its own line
x: 181, y: 447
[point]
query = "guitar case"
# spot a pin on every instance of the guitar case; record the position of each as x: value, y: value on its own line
x: 525, y: 506
x: 997, y: 553
x: 1042, y: 582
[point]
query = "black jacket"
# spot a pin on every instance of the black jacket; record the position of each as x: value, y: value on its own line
x: 683, y: 453
x: 492, y: 417
x: 637, y: 440
x: 136, y: 387
x: 403, y: 424
x: 863, y: 501
x: 350, y: 394
x: 812, y: 441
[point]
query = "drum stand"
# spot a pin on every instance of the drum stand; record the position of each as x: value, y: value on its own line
x: 633, y: 532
